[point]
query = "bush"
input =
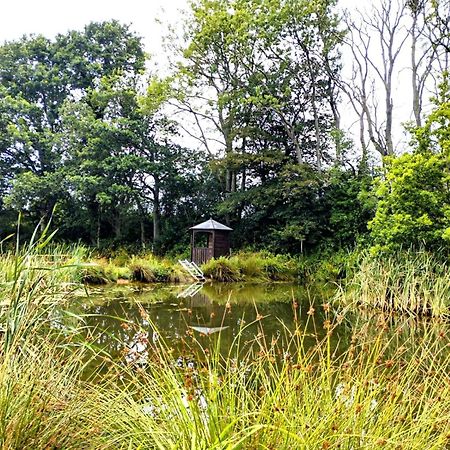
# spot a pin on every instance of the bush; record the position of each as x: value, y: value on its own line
x: 149, y: 270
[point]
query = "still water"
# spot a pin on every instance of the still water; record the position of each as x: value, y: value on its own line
x: 126, y: 320
x: 123, y: 315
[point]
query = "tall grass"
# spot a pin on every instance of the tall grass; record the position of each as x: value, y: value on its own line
x: 408, y: 282
x: 249, y: 266
x: 276, y: 393
x: 41, y: 392
x: 388, y: 387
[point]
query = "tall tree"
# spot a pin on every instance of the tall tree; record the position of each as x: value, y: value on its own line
x: 37, y: 78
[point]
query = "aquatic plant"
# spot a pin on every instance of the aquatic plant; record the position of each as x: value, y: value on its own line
x: 277, y: 392
x: 385, y: 387
x: 409, y: 282
x: 41, y: 393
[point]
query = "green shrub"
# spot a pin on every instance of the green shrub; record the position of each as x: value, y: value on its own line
x: 222, y: 269
x: 149, y: 270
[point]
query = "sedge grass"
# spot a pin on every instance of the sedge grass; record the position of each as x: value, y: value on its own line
x: 413, y: 283
x: 41, y: 363
x: 382, y: 389
x: 379, y: 392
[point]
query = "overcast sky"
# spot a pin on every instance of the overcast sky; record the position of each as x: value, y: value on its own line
x: 50, y: 17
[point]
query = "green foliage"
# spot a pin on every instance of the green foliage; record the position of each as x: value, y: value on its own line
x: 387, y: 385
x: 251, y: 266
x: 149, y: 270
x: 222, y: 269
x: 414, y: 199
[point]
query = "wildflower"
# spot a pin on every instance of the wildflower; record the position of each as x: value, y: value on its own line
x: 259, y: 316
x: 125, y: 326
x: 179, y: 362
x: 311, y: 311
x: 326, y: 307
x: 191, y: 365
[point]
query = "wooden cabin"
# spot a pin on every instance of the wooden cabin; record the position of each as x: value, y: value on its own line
x: 209, y: 239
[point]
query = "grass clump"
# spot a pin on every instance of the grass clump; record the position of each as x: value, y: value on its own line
x: 409, y: 282
x: 222, y: 269
x: 251, y: 266
x: 149, y: 270
x: 93, y: 273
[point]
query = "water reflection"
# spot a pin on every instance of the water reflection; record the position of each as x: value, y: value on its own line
x: 129, y: 320
x: 119, y: 314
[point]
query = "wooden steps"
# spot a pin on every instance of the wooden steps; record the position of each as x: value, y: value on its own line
x: 191, y: 290
x: 193, y: 270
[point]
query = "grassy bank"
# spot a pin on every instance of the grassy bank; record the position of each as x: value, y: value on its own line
x: 412, y: 282
x: 78, y: 264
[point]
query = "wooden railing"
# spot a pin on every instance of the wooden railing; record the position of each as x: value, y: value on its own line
x: 201, y: 254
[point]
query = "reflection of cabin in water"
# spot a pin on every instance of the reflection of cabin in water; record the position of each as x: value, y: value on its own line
x: 209, y: 239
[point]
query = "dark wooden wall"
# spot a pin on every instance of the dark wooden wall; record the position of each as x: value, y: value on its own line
x: 221, y: 243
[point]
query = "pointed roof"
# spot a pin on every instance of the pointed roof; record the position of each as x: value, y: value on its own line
x: 211, y: 225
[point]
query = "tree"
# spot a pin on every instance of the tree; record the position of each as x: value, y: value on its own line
x: 414, y: 205
x: 38, y: 78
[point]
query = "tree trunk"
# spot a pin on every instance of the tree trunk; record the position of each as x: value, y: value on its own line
x: 97, y: 234
x: 414, y: 73
x: 156, y: 214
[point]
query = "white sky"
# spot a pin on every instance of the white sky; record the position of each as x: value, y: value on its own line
x: 50, y: 17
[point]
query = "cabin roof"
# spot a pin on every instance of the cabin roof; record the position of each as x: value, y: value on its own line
x: 211, y: 225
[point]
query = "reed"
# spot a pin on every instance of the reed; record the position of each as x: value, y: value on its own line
x: 42, y: 362
x: 387, y: 387
x: 251, y: 266
x: 409, y: 282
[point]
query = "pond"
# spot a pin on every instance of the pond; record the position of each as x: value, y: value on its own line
x: 128, y: 319
x: 122, y: 315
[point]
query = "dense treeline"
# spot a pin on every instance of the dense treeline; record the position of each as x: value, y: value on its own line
x: 255, y: 93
